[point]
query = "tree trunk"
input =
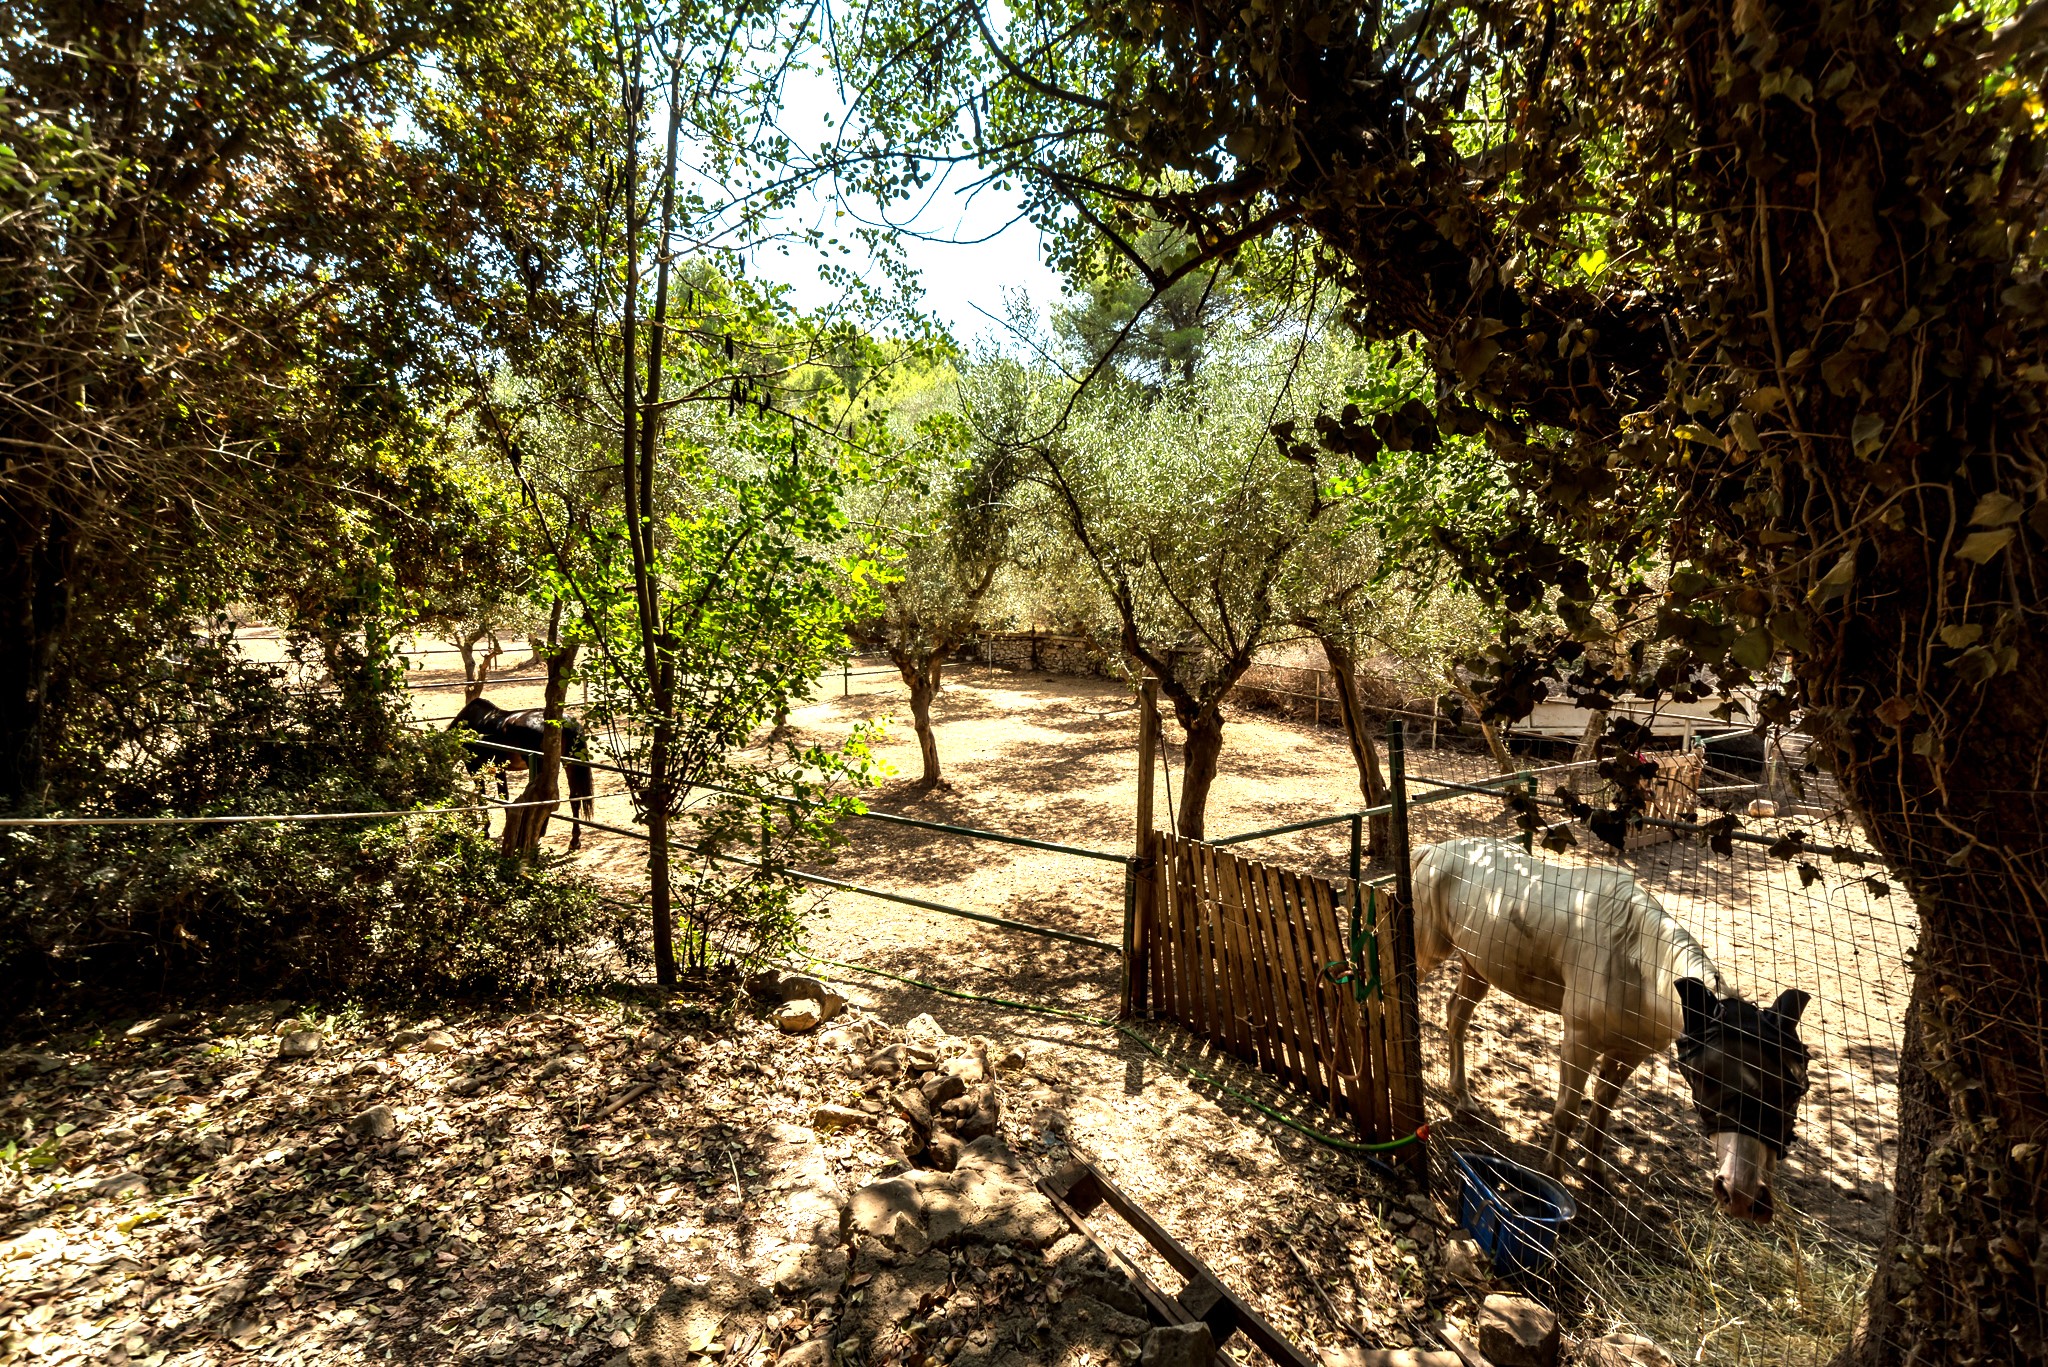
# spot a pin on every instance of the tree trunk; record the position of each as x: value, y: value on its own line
x: 1487, y: 731
x: 35, y: 613
x: 923, y: 675
x: 655, y: 798
x: 1961, y: 1272
x: 1198, y: 767
x: 1587, y: 749
x: 1372, y: 784
x: 525, y: 824
x: 476, y: 673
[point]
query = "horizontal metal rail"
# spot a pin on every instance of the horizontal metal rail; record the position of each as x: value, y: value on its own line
x: 970, y: 832
x: 1311, y: 824
x: 924, y: 903
x: 256, y: 819
x: 974, y: 833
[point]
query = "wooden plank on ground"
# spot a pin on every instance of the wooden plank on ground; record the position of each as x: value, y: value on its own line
x: 1250, y: 1322
x: 1166, y: 1307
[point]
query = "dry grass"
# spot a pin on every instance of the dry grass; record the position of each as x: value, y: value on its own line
x: 1734, y: 1294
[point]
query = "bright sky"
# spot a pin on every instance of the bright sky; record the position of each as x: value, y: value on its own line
x: 969, y: 245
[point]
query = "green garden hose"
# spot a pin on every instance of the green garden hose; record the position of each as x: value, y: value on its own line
x: 1329, y: 1140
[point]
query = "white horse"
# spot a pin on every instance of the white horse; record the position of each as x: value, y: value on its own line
x: 1594, y: 946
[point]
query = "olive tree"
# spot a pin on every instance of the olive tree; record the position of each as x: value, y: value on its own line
x: 945, y: 517
x: 1185, y: 508
x: 1757, y: 284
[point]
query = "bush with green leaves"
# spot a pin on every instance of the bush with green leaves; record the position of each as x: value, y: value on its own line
x: 405, y: 908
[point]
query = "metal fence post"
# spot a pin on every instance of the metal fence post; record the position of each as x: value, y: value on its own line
x: 846, y: 676
x: 1528, y: 782
x: 1403, y: 928
x: 1140, y: 874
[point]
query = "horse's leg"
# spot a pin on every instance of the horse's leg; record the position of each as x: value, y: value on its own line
x: 1573, y: 1063
x: 1464, y: 999
x: 1614, y: 1070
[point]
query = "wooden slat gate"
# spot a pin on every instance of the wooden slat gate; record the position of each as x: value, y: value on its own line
x: 1283, y: 971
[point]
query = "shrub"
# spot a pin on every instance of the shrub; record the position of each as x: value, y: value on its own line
x: 418, y: 907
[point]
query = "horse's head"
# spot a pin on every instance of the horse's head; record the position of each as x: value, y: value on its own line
x: 475, y: 715
x: 1746, y: 1066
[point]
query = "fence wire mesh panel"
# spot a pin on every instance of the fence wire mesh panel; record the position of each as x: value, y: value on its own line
x: 1287, y: 974
x: 1584, y: 948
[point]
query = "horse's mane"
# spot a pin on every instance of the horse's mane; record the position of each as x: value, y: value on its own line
x: 483, y: 709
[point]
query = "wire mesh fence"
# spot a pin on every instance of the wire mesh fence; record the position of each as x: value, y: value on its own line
x: 1602, y: 950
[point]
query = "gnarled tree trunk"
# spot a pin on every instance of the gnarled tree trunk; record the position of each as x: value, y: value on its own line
x: 1199, y: 762
x: 527, y: 822
x: 1487, y: 731
x: 922, y: 672
x: 1372, y: 784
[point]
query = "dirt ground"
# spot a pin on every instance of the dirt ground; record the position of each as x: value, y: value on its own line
x: 1053, y: 758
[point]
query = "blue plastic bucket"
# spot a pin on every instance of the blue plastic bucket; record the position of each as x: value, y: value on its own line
x: 1513, y: 1212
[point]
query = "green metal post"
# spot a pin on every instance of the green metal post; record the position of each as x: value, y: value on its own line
x: 1409, y: 1110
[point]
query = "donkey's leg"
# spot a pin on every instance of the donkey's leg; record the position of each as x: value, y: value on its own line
x: 1613, y: 1072
x: 1573, y: 1063
x: 1464, y: 998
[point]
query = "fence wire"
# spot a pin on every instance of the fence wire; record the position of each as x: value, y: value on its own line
x: 1648, y: 1249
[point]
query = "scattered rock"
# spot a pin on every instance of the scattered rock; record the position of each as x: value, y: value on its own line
x: 122, y: 1184
x: 1624, y: 1350
x: 911, y: 1102
x: 156, y: 1025
x: 300, y: 1044
x: 802, y: 1271
x: 796, y: 987
x: 1517, y: 1332
x: 923, y: 1030
x: 844, y: 1037
x: 1465, y: 1261
x: 887, y: 1061
x: 943, y: 1151
x: 1010, y: 1060
x: 799, y: 1016
x: 830, y: 1117
x: 877, y: 1207
x: 376, y: 1123
x: 1179, y: 1345
x: 940, y: 1088
x: 436, y: 1042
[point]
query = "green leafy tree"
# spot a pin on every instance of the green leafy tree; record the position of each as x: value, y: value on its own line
x: 945, y: 519
x: 1186, y: 510
x: 1757, y: 288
